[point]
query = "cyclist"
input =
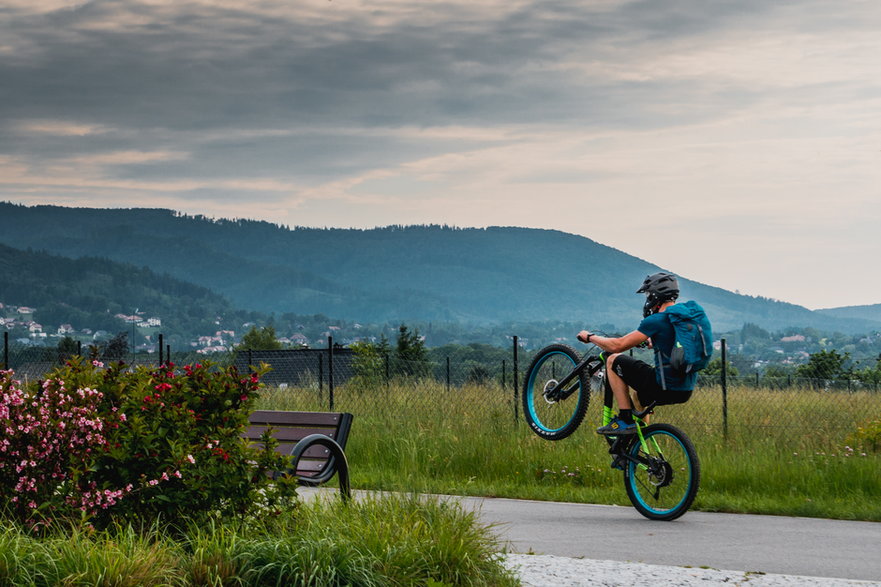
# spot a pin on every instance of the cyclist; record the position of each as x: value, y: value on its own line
x: 624, y: 373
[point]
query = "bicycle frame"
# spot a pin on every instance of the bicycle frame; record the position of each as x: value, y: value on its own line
x: 592, y: 363
x: 619, y: 445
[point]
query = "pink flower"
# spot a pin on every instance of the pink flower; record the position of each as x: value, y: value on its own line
x: 191, y: 459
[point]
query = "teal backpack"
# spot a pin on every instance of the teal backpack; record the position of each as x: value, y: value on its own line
x: 694, y: 338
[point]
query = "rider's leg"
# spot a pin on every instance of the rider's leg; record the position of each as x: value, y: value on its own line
x: 620, y: 389
x: 637, y: 405
x: 623, y: 424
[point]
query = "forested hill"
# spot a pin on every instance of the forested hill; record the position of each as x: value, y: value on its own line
x: 91, y: 292
x: 416, y: 273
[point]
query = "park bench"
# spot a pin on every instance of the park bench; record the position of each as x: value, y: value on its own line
x: 315, y: 441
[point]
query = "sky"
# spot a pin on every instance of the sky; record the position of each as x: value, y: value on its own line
x: 736, y: 143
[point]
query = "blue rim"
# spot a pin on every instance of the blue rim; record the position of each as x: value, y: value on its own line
x: 631, y: 479
x: 531, y: 386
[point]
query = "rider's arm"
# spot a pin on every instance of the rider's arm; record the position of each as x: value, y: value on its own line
x: 614, y: 345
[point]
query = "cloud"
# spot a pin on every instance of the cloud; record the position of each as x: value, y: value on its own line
x: 608, y: 118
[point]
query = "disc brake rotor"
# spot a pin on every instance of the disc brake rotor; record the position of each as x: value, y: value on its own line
x: 660, y: 473
x: 551, y: 384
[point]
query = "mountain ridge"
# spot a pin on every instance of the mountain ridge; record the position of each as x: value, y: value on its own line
x: 404, y: 273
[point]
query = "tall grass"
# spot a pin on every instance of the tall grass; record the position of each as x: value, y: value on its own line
x: 393, y: 541
x: 785, y: 452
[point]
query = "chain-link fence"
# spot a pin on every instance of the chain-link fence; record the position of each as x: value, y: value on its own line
x: 31, y: 362
x: 806, y: 401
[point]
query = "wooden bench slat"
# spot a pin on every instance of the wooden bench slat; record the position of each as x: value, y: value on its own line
x: 313, y: 452
x: 297, y: 418
x: 290, y: 427
x: 283, y: 433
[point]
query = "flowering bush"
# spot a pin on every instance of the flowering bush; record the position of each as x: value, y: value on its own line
x: 50, y: 436
x: 116, y: 442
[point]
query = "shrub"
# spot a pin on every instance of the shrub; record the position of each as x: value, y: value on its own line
x: 115, y: 443
x: 868, y: 436
x: 51, y: 435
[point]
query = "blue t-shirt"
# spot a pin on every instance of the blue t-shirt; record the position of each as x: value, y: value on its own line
x: 658, y: 328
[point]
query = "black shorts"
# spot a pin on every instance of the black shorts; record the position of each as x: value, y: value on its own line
x: 640, y: 376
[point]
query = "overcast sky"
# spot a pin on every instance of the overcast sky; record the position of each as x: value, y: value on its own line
x: 737, y: 143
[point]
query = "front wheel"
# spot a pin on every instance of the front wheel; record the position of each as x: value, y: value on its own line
x: 663, y: 473
x: 551, y: 412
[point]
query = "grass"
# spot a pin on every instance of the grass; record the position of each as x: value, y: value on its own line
x: 792, y: 452
x: 396, y: 540
x: 786, y: 452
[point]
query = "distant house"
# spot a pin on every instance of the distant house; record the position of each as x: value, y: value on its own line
x: 65, y: 329
x: 209, y: 341
x: 133, y: 319
x: 793, y: 338
x: 153, y: 322
x: 212, y: 349
x: 26, y: 310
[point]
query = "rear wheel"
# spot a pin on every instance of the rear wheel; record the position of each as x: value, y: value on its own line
x: 553, y: 413
x: 663, y: 479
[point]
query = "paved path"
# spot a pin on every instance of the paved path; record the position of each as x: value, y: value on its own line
x: 769, y: 544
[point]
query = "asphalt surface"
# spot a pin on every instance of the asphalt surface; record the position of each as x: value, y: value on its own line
x: 769, y: 544
x: 766, y: 544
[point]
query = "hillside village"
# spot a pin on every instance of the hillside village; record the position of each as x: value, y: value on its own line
x: 751, y: 348
x: 23, y: 329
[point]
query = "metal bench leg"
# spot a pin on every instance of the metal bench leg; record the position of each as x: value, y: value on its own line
x: 340, y: 461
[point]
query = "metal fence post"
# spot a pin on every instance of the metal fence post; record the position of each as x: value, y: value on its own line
x: 161, y: 342
x: 448, y: 374
x: 6, y: 350
x: 504, y: 375
x: 516, y: 395
x: 330, y: 371
x: 320, y: 375
x: 724, y: 390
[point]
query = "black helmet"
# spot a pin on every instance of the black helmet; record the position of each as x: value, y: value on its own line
x: 658, y: 288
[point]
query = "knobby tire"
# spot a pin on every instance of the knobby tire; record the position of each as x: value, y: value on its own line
x: 554, y: 420
x: 667, y: 491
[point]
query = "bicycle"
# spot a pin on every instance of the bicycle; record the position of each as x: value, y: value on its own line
x: 660, y: 464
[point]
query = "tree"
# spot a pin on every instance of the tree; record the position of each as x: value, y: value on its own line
x: 823, y: 365
x: 67, y: 347
x: 410, y: 352
x: 713, y: 371
x: 263, y: 339
x: 871, y: 375
x: 754, y: 331
x: 368, y: 363
x: 116, y: 348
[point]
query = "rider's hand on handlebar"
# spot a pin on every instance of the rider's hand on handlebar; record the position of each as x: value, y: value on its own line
x: 583, y: 336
